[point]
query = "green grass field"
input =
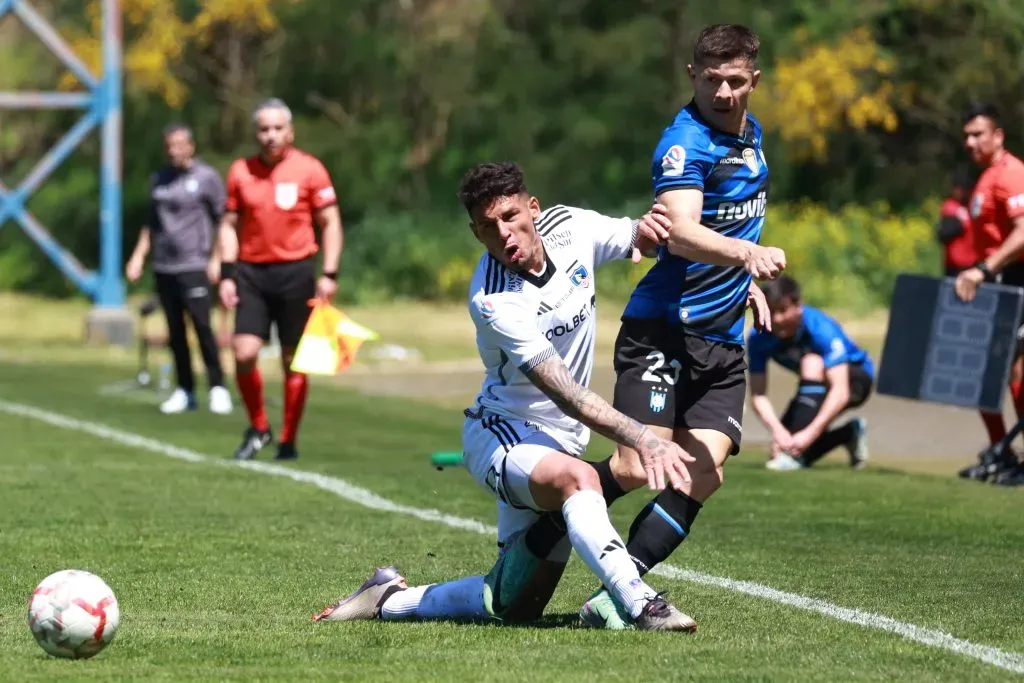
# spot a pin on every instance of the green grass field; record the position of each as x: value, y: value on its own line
x: 218, y: 568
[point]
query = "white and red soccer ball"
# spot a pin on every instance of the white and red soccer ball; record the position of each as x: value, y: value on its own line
x: 73, y: 614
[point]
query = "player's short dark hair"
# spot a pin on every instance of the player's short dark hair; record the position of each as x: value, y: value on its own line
x: 726, y: 42
x: 173, y: 128
x: 985, y: 109
x: 486, y: 182
x: 782, y: 287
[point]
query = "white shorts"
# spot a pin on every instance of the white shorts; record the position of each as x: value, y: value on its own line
x: 501, y: 453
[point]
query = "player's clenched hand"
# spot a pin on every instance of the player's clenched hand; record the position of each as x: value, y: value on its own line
x: 762, y: 314
x: 228, y: 291
x: 661, y: 457
x: 967, y: 283
x: 765, y: 263
x: 652, y: 230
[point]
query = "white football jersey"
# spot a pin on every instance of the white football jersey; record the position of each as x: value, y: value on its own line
x: 522, y: 319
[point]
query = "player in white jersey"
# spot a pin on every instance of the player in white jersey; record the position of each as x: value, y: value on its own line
x: 532, y: 301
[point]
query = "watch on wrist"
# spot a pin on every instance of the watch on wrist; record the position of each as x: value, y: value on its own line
x: 331, y: 275
x: 983, y: 267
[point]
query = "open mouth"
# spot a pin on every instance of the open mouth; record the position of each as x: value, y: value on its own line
x: 512, y: 253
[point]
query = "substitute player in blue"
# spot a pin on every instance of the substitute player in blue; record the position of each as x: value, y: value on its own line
x: 835, y: 375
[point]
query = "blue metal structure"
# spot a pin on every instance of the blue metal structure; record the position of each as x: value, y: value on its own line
x: 101, y: 102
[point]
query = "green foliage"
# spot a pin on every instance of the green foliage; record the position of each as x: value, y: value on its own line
x: 850, y: 258
x: 400, y: 97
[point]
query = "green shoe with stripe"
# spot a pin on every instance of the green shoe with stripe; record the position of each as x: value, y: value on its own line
x: 601, y: 611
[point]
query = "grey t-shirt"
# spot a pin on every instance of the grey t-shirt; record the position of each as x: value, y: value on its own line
x: 185, y: 207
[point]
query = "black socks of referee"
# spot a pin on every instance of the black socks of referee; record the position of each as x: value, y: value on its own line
x: 655, y: 533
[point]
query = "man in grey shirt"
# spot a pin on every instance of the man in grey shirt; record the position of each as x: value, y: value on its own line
x: 186, y: 203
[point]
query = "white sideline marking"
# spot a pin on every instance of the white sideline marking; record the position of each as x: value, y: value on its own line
x: 1011, y: 661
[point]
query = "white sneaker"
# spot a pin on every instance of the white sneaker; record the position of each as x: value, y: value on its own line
x: 179, y: 402
x: 220, y: 401
x: 783, y: 463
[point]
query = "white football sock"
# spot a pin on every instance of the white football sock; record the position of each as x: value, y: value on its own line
x: 595, y: 540
x: 462, y: 599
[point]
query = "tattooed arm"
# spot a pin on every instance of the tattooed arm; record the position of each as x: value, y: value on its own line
x: 659, y: 456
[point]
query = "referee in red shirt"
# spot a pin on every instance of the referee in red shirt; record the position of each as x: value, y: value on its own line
x: 268, y: 270
x: 997, y: 227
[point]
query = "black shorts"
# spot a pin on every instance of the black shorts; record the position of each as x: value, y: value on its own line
x: 1013, y: 276
x: 276, y: 293
x: 665, y: 378
x: 861, y: 385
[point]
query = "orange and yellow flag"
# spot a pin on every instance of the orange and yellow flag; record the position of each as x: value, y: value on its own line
x: 330, y: 341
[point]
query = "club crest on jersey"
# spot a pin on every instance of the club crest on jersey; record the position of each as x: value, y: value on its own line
x: 658, y: 399
x: 751, y: 160
x: 977, y: 201
x: 673, y: 162
x: 286, y: 195
x: 191, y: 185
x: 580, y: 277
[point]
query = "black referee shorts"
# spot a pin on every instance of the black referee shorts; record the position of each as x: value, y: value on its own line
x: 277, y: 293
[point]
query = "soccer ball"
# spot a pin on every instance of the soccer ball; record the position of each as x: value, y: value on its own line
x: 73, y: 614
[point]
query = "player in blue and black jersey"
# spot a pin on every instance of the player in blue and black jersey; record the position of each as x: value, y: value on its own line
x: 835, y: 375
x: 679, y: 359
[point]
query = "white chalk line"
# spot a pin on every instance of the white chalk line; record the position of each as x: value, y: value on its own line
x: 1010, y: 661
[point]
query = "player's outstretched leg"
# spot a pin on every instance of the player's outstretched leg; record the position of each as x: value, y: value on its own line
x: 385, y: 595
x: 366, y: 602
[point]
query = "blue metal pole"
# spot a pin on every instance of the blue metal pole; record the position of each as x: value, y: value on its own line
x: 50, y: 161
x: 110, y: 291
x: 61, y: 257
x: 36, y: 23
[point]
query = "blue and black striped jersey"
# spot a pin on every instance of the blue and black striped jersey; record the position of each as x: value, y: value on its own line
x: 706, y: 300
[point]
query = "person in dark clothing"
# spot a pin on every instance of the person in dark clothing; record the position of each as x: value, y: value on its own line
x: 186, y: 203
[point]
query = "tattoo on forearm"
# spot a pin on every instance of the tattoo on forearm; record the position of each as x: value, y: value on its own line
x: 552, y: 377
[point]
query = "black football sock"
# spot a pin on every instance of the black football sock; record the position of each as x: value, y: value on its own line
x: 826, y: 442
x: 660, y: 527
x: 610, y: 487
x: 810, y: 395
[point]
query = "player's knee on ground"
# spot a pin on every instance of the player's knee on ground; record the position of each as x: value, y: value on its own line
x: 537, y: 594
x: 812, y: 367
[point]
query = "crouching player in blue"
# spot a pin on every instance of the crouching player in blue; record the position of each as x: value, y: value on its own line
x: 835, y: 375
